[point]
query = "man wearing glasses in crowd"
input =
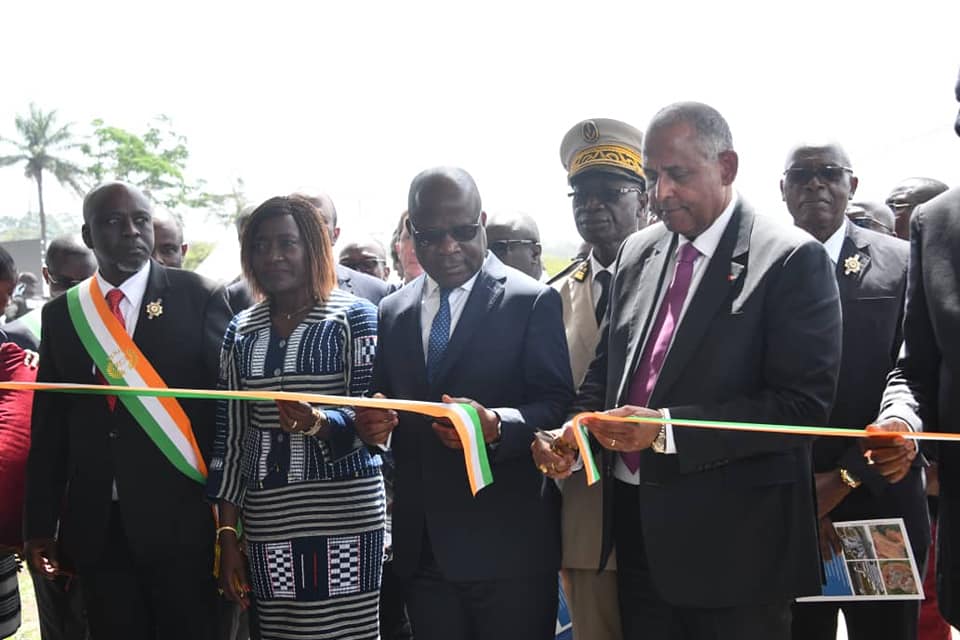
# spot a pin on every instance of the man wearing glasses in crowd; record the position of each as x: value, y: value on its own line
x: 871, y: 272
x: 604, y: 170
x: 515, y: 240
x: 366, y: 256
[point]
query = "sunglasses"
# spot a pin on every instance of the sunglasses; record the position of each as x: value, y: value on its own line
x: 507, y: 245
x: 430, y: 237
x: 62, y: 281
x: 826, y: 173
x: 606, y: 195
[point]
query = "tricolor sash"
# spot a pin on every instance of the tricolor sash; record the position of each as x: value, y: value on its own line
x: 123, y: 365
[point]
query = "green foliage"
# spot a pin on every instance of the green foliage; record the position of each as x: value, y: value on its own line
x: 27, y: 226
x: 555, y: 264
x: 198, y: 253
x: 39, y: 146
x: 156, y: 162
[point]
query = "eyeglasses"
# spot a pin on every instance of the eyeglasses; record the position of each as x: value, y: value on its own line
x: 61, y: 281
x: 507, y: 245
x: 368, y: 263
x: 606, y: 195
x: 826, y: 173
x: 428, y: 237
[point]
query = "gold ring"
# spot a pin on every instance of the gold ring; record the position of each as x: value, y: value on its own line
x: 613, y: 442
x: 543, y: 468
x: 869, y: 456
x: 293, y: 425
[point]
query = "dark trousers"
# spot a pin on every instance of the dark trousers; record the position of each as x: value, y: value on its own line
x: 646, y: 616
x: 894, y: 620
x: 60, y: 607
x: 394, y: 623
x: 516, y: 609
x: 136, y: 598
x: 948, y: 559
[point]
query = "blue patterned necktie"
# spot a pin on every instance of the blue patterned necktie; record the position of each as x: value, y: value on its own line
x: 439, y: 335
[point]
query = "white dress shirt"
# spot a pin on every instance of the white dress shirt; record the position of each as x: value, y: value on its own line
x: 706, y: 243
x: 834, y: 244
x: 134, y: 288
x: 430, y: 304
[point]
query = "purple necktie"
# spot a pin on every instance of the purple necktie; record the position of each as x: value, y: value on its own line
x: 661, y: 334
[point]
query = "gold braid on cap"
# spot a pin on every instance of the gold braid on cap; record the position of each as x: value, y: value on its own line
x: 609, y: 155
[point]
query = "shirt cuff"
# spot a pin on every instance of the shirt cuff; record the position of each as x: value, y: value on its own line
x: 386, y: 446
x: 903, y: 412
x: 671, y: 445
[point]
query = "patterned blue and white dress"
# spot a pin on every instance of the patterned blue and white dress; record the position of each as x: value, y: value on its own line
x: 312, y: 510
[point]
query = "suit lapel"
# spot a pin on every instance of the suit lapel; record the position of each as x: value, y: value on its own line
x: 640, y: 292
x: 853, y: 263
x: 722, y: 273
x: 486, y: 292
x: 409, y: 328
x: 157, y: 285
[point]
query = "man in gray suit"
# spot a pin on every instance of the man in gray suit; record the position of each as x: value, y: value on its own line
x: 718, y: 314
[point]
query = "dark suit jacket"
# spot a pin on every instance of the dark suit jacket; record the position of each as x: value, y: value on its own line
x: 18, y: 333
x: 872, y: 300
x: 729, y: 520
x: 927, y: 376
x: 359, y: 284
x: 507, y: 352
x: 79, y: 446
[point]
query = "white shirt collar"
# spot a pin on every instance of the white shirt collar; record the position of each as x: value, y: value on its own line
x: 834, y: 244
x: 134, y: 287
x: 596, y: 267
x: 431, y: 288
x: 706, y: 243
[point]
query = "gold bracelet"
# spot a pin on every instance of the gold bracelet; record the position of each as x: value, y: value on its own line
x: 319, y: 420
x: 227, y: 527
x: 849, y: 479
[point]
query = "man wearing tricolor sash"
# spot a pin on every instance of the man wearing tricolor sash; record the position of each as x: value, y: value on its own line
x: 115, y: 485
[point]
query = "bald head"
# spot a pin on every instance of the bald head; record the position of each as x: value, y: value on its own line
x: 447, y: 224
x: 366, y: 255
x: 826, y: 150
x: 96, y: 197
x: 324, y: 203
x: 169, y: 249
x: 872, y: 215
x: 817, y: 185
x: 905, y: 197
x: 443, y: 185
x: 68, y: 262
x: 515, y: 239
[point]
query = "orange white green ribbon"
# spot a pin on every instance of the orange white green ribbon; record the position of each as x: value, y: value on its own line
x: 464, y: 417
x: 122, y: 364
x: 593, y: 473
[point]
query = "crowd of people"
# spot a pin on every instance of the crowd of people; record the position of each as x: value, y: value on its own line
x: 188, y: 517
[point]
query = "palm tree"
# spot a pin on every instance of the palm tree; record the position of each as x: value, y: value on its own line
x: 40, y: 139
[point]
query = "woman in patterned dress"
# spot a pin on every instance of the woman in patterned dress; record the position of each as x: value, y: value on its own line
x: 309, y: 494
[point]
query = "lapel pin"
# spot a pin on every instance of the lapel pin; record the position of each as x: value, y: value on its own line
x: 155, y: 308
x: 852, y: 265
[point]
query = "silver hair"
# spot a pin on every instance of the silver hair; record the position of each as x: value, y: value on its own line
x: 713, y: 132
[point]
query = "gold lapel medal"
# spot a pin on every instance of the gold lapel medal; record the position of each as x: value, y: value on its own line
x: 852, y: 265
x: 155, y: 308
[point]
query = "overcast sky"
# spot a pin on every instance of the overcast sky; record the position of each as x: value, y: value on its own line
x: 356, y: 97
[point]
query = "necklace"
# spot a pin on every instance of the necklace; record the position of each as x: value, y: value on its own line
x: 289, y: 316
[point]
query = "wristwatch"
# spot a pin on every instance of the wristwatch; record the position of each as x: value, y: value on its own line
x: 849, y: 479
x: 659, y: 444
